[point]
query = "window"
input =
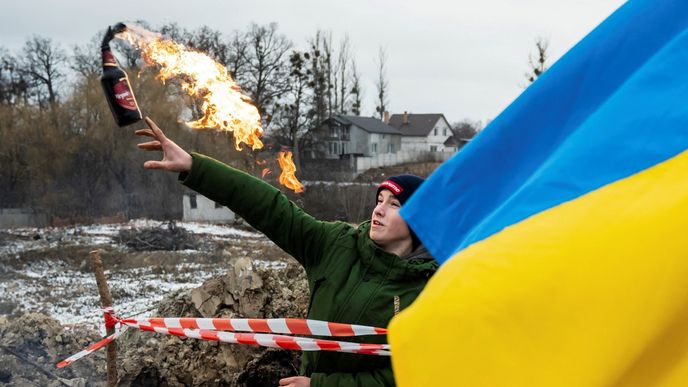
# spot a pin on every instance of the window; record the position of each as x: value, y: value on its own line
x: 332, y: 148
x: 390, y: 148
x: 435, y: 131
x: 345, y: 148
x: 383, y: 136
x: 433, y: 148
x: 444, y: 131
x: 192, y: 201
x: 333, y: 131
x: 374, y: 147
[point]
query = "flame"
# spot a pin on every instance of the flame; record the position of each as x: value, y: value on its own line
x: 224, y: 106
x: 266, y: 171
x: 288, y: 176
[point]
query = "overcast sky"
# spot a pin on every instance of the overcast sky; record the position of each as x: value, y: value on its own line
x: 463, y: 58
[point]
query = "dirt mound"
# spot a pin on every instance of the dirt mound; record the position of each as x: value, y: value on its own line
x: 248, y: 289
x: 31, y: 345
x: 244, y: 292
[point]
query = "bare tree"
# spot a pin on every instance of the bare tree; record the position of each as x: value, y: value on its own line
x: 318, y: 82
x: 238, y: 60
x: 205, y: 39
x: 293, y: 122
x: 212, y: 42
x: 13, y: 158
x: 328, y: 71
x: 14, y: 85
x: 356, y: 90
x: 176, y: 32
x: 42, y: 62
x: 537, y: 63
x: 85, y: 59
x: 466, y: 128
x: 331, y: 78
x: 267, y: 67
x: 5, y: 78
x: 342, y: 77
x: 382, y: 84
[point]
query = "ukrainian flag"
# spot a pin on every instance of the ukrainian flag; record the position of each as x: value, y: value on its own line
x: 562, y: 229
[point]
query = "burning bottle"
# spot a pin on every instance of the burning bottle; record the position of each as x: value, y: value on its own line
x: 116, y: 85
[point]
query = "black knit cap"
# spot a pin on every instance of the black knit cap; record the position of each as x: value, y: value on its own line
x: 402, y: 187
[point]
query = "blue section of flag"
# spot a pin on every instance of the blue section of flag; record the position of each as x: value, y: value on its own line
x: 621, y: 91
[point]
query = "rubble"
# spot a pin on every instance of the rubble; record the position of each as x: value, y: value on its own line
x: 169, y: 238
x: 234, y: 273
x: 31, y: 345
x: 146, y: 358
x: 244, y: 292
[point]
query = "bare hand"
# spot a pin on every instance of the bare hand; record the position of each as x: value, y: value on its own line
x: 295, y: 381
x: 174, y: 158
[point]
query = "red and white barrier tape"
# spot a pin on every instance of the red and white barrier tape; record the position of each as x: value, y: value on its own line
x: 289, y: 326
x: 92, y: 348
x: 270, y: 340
x: 215, y: 329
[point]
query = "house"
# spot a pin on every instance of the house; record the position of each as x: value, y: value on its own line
x: 423, y: 132
x: 455, y: 143
x: 342, y: 136
x: 198, y: 208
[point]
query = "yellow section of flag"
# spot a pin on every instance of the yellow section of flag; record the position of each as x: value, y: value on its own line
x: 593, y: 292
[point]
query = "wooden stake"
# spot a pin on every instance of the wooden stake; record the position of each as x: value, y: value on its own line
x: 106, y: 301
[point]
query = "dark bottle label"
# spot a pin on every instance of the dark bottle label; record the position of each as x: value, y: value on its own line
x: 109, y: 59
x: 123, y: 95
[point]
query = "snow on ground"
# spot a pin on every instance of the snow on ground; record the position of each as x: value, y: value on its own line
x: 104, y: 234
x: 217, y: 230
x: 71, y: 296
x: 67, y: 290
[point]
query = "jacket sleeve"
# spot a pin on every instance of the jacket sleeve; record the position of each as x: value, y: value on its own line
x: 263, y: 206
x: 378, y: 378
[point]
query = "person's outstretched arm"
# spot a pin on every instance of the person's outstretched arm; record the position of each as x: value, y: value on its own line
x: 260, y: 204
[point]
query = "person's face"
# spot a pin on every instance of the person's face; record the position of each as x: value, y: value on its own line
x: 387, y: 227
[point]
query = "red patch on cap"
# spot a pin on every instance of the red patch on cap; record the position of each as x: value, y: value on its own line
x: 392, y: 186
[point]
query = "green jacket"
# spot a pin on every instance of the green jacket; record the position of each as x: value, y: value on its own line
x: 351, y: 280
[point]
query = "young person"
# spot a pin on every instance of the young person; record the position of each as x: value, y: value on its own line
x: 358, y: 275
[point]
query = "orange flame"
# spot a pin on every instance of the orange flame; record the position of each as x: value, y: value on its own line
x: 288, y: 176
x: 224, y: 106
x: 266, y: 171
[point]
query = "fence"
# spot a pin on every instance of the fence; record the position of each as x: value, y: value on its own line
x: 348, y: 168
x: 401, y: 157
x: 22, y: 217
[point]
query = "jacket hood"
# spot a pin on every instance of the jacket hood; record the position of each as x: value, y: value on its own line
x: 418, y: 263
x: 420, y: 253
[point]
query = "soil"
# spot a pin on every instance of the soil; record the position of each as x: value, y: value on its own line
x: 49, y: 305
